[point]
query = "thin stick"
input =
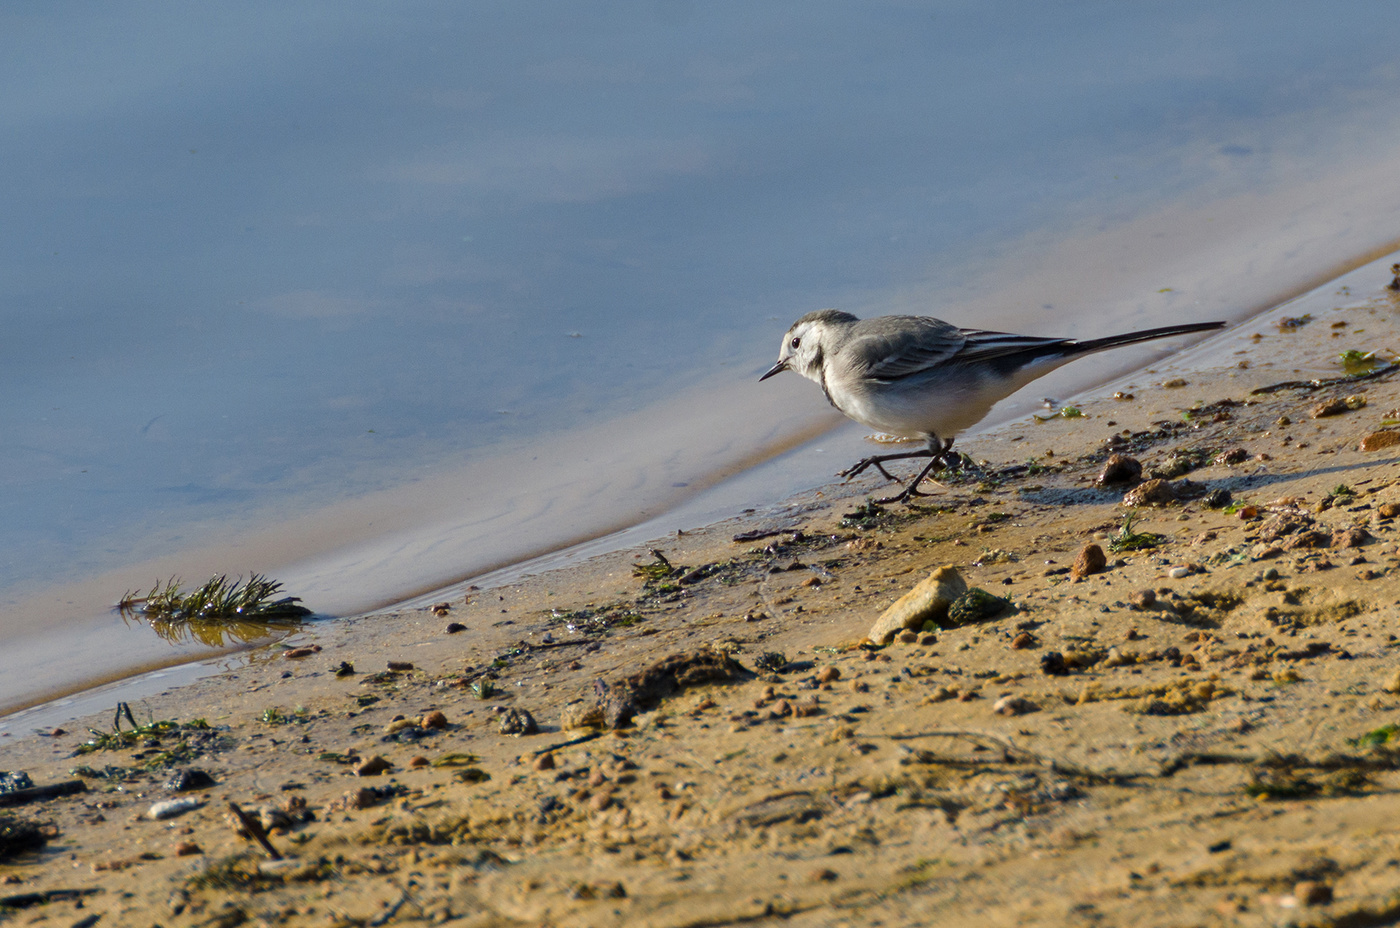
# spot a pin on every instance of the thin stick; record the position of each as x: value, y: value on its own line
x: 255, y: 830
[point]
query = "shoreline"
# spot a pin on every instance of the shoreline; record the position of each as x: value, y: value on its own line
x: 963, y: 769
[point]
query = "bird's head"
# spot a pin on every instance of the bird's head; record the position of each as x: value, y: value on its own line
x: 808, y: 343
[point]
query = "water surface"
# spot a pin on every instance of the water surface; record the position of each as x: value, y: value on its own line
x: 374, y: 297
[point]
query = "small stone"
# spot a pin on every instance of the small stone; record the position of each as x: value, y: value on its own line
x: 928, y: 638
x: 1389, y: 510
x: 1247, y: 512
x: 440, y: 609
x: 1337, y: 407
x: 1309, y: 539
x: 807, y: 708
x: 600, y: 801
x: 172, y: 808
x: 373, y: 767
x: 362, y: 798
x: 400, y: 665
x: 434, y: 720
x: 1118, y: 470
x: 1350, y: 538
x: 828, y: 675
x: 908, y: 636
x: 298, y: 653
x: 1090, y: 560
x: 928, y: 601
x: 1270, y: 574
x: 1144, y: 599
x: 418, y: 761
x: 1311, y: 892
x: 1052, y: 663
x: 581, y: 715
x: 1392, y: 685
x: 1177, y: 573
x: 188, y: 778
x: 1230, y: 459
x: 517, y: 722
x: 1151, y: 493
x: 1013, y: 705
x: 1175, y: 383
x: 1376, y: 441
x: 823, y: 875
x: 1023, y: 641
x: 398, y: 725
x: 455, y: 627
x: 782, y: 709
x: 187, y: 848
x: 1218, y: 498
x: 544, y: 762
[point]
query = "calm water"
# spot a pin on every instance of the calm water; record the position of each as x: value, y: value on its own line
x: 376, y: 296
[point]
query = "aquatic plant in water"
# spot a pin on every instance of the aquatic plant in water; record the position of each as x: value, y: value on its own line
x: 216, y: 612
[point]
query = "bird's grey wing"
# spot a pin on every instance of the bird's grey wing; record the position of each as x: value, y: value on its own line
x: 980, y: 345
x: 892, y: 347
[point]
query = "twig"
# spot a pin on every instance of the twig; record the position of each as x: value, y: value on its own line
x: 255, y: 830
x: 34, y: 793
x: 1319, y: 384
x: 568, y: 744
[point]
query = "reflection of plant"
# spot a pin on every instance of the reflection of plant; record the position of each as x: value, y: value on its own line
x: 219, y: 611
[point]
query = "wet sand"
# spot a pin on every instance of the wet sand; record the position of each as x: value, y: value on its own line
x: 1197, y: 733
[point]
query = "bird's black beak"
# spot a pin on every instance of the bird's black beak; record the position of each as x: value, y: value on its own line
x: 775, y: 369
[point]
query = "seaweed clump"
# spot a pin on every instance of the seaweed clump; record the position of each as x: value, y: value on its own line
x: 217, y: 611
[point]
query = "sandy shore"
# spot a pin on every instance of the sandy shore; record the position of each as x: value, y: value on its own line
x: 1196, y: 733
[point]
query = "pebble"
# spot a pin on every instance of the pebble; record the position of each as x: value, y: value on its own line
x: 1144, y: 599
x: 1337, y: 407
x: 1013, y: 705
x: 1376, y: 441
x: 1023, y: 641
x: 1311, y: 892
x: 1052, y: 663
x: 828, y: 675
x: 400, y: 665
x: 1152, y: 493
x: 823, y: 875
x: 544, y: 762
x: 928, y: 638
x: 928, y: 601
x: 517, y: 722
x: 455, y: 627
x: 1177, y: 573
x: 373, y: 767
x: 187, y: 848
x: 1389, y: 510
x: 418, y: 761
x: 172, y: 807
x: 434, y: 719
x: 1090, y: 560
x: 188, y: 778
x: 908, y: 636
x: 1119, y: 469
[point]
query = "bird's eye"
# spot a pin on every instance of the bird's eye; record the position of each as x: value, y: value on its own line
x: 796, y: 340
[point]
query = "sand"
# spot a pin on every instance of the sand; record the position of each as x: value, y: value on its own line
x: 1198, y: 733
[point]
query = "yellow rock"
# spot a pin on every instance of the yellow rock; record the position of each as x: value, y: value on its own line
x: 929, y: 600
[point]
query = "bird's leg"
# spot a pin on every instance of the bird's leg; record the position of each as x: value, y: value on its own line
x: 878, y: 462
x: 937, y: 453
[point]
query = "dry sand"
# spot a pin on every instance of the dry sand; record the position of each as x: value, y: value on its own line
x: 1197, y: 734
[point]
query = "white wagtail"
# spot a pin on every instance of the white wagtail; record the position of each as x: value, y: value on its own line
x: 920, y: 377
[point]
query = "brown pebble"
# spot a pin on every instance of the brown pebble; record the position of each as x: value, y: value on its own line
x: 186, y: 848
x: 1389, y: 510
x: 828, y: 675
x: 600, y: 801
x: 1248, y: 512
x: 455, y: 627
x: 823, y: 875
x: 362, y: 798
x: 1144, y: 599
x: 1378, y: 440
x: 597, y: 778
x: 1119, y: 469
x: 1350, y: 538
x: 860, y: 686
x: 1311, y: 892
x: 434, y: 719
x: 1023, y: 641
x: 298, y: 653
x: 807, y: 708
x: 419, y: 761
x: 373, y: 767
x: 544, y: 762
x: 908, y: 636
x: 782, y: 709
x: 400, y: 665
x: 928, y: 638
x: 1089, y: 560
x: 1151, y: 493
x: 812, y: 581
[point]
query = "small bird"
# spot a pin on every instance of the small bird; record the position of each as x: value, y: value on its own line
x: 920, y: 377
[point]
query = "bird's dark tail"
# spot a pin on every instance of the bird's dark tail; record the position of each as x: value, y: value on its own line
x: 1147, y: 335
